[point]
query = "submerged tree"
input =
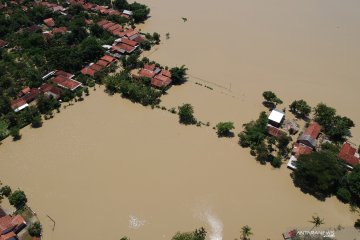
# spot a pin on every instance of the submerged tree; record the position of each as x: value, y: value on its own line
x: 317, y: 221
x: 224, y: 129
x: 246, y: 233
x: 178, y: 74
x: 18, y: 199
x: 271, y: 98
x: 300, y: 108
x: 186, y: 114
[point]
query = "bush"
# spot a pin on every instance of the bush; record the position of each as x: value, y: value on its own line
x: 224, y: 129
x: 15, y: 133
x: 343, y: 195
x: 36, y: 121
x: 276, y: 162
x: 5, y: 191
x: 35, y: 230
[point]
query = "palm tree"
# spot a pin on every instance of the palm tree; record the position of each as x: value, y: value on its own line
x: 246, y: 232
x: 317, y: 221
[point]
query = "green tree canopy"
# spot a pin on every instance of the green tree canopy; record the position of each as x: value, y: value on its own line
x: 186, y: 114
x: 270, y: 97
x: 300, y: 108
x: 178, y: 74
x: 224, y: 129
x: 18, y: 199
x: 254, y: 132
x: 319, y: 173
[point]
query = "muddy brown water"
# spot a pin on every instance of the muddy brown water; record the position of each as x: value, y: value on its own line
x: 105, y: 167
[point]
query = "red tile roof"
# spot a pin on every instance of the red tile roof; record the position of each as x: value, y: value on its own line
x: 301, y: 149
x: 347, y: 154
x: 108, y: 58
x: 96, y: 67
x: 115, y: 27
x: 48, y: 88
x: 25, y: 90
x: 34, y: 92
x: 102, y: 22
x: 146, y: 73
x: 63, y: 74
x: 313, y: 130
x: 3, y: 43
x: 118, y: 33
x: 59, y: 30
x: 8, y: 236
x: 129, y: 42
x: 125, y: 47
x: 150, y: 67
x: 131, y: 32
x: 160, y: 81
x: 166, y: 73
x: 88, y: 71
x: 49, y: 22
x: 66, y: 83
x: 108, y: 25
x: 17, y: 103
x: 9, y: 223
x: 276, y: 132
x: 88, y: 21
x: 102, y: 63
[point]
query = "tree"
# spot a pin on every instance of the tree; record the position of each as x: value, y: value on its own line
x: 146, y: 45
x: 18, y: 199
x: 178, y: 75
x: 5, y: 191
x: 35, y: 229
x: 271, y: 98
x: 319, y: 173
x: 36, y: 121
x: 246, y: 232
x: 353, y: 182
x: 15, y: 133
x: 200, y: 234
x: 343, y: 195
x: 186, y: 114
x: 317, y: 221
x: 224, y: 129
x: 300, y: 108
x: 121, y: 4
x: 254, y: 132
x: 156, y: 37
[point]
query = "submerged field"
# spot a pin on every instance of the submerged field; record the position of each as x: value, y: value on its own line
x: 105, y: 167
x: 126, y: 170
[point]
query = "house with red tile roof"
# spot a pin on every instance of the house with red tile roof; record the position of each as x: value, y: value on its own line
x: 18, y: 104
x: 88, y: 71
x: 32, y: 95
x: 108, y: 59
x: 276, y: 132
x: 96, y: 67
x: 102, y: 63
x: 310, y: 135
x: 10, y: 223
x: 3, y: 43
x: 132, y: 34
x: 9, y: 236
x: 348, y: 153
x: 101, y: 23
x: 60, y: 30
x: 49, y: 22
x: 108, y: 25
x: 24, y: 91
x: 161, y: 81
x: 66, y: 83
x: 115, y: 27
x: 129, y: 42
x: 63, y: 74
x: 301, y: 149
x: 146, y: 73
x: 50, y: 91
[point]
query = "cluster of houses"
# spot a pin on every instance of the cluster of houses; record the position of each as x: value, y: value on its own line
x: 128, y: 41
x: 51, y: 6
x: 56, y: 81
x: 103, y: 63
x: 51, y: 29
x: 10, y: 225
x: 160, y: 78
x: 106, y: 10
x: 308, y: 141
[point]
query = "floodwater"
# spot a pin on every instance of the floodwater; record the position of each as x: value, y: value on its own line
x: 105, y: 167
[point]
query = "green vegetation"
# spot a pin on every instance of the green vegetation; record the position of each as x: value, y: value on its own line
x: 5, y: 191
x: 319, y: 173
x: 35, y: 229
x: 15, y: 133
x: 178, y: 75
x: 335, y: 126
x: 224, y: 129
x: 186, y: 114
x: 140, y: 11
x: 18, y: 199
x: 136, y: 91
x: 271, y: 100
x: 317, y: 221
x: 300, y: 108
x: 245, y: 233
x: 198, y: 234
x: 254, y: 132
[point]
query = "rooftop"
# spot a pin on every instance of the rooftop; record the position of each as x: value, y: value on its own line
x: 348, y: 154
x: 276, y: 116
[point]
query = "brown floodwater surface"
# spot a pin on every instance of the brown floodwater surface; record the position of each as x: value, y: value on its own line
x: 105, y: 167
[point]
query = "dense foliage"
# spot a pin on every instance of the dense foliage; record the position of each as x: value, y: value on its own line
x: 35, y: 229
x: 300, y: 108
x: 333, y: 125
x: 186, y: 114
x: 271, y: 99
x: 198, y: 234
x: 319, y: 173
x: 224, y: 129
x: 18, y: 199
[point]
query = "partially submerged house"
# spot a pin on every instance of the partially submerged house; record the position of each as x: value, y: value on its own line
x: 348, y: 153
x: 310, y: 135
x: 10, y: 226
x: 275, y: 132
x: 276, y: 118
x: 18, y: 104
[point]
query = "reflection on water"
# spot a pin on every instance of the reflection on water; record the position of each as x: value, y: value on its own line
x: 215, y: 225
